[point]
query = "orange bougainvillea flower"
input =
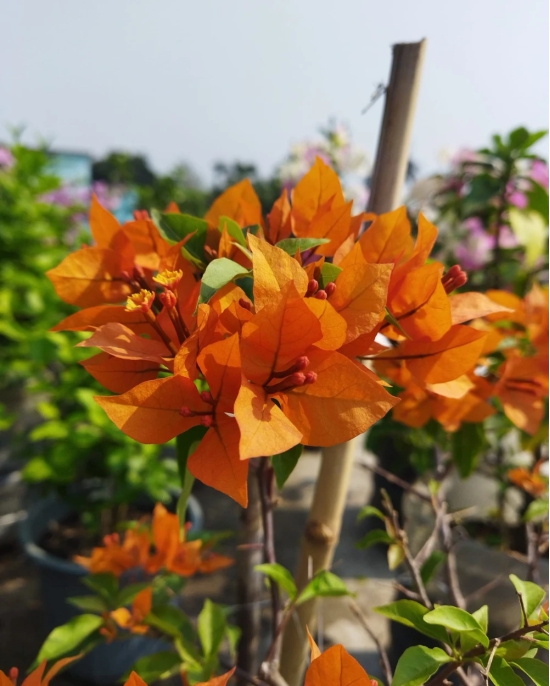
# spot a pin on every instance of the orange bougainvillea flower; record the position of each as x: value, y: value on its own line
x: 239, y: 203
x: 453, y: 355
x: 157, y: 411
x: 311, y: 386
x: 160, y: 547
x: 132, y: 620
x: 39, y: 676
x: 319, y: 209
x: 218, y: 680
x: 522, y: 387
x: 335, y: 667
x: 530, y: 481
x: 114, y: 267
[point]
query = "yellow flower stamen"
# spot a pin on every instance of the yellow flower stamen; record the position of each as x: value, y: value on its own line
x: 142, y: 301
x: 168, y: 279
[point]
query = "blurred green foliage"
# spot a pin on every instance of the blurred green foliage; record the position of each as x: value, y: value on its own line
x: 61, y: 434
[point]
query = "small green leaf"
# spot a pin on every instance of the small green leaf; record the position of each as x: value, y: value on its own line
x: 211, y: 626
x: 418, y: 664
x: 233, y: 229
x: 430, y: 567
x: 217, y: 275
x: 178, y: 226
x: 68, y: 637
x: 482, y: 617
x: 329, y: 274
x: 89, y: 603
x: 396, y: 555
x: 233, y: 634
x: 105, y: 584
x: 151, y: 668
x: 538, y: 200
x: 284, y: 463
x: 501, y: 674
x: 537, y: 510
x: 370, y: 511
x: 291, y: 245
x: 323, y: 585
x: 458, y: 620
x: 467, y: 444
x: 535, y: 669
x: 411, y: 614
x: 127, y: 594
x: 513, y: 650
x: 531, y: 594
x: 280, y: 576
x: 373, y: 537
x: 172, y: 621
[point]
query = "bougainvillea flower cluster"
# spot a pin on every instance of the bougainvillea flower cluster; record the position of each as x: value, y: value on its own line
x: 257, y: 329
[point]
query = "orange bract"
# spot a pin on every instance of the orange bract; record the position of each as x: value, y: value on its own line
x: 161, y: 547
x: 336, y: 667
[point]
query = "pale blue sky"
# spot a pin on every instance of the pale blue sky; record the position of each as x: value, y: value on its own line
x: 243, y: 79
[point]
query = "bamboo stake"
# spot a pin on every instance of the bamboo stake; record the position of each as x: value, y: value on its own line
x: 325, y: 519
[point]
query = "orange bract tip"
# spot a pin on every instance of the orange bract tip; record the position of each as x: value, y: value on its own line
x: 142, y: 301
x: 169, y: 279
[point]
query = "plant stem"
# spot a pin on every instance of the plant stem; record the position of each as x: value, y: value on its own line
x: 249, y: 582
x: 266, y: 478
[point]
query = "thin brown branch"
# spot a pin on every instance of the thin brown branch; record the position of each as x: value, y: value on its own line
x: 384, y: 659
x: 266, y: 478
x: 395, y: 480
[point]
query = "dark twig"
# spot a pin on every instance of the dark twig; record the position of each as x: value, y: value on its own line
x: 243, y: 675
x: 384, y: 659
x: 401, y: 536
x: 395, y: 480
x: 266, y: 477
x: 533, y: 541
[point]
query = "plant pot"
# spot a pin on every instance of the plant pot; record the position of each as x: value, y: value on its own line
x: 61, y: 579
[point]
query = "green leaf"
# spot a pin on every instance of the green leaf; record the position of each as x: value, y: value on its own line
x: 186, y: 444
x: 172, y: 621
x: 537, y: 197
x: 370, y: 511
x: 284, y: 463
x: 467, y: 444
x: 291, y: 245
x: 151, y: 668
x: 483, y: 188
x: 373, y: 537
x: 535, y: 669
x: 280, y: 576
x: 518, y: 138
x: 430, y: 567
x: 233, y: 229
x: 218, y: 274
x: 211, y: 628
x: 482, y: 617
x: 67, y: 637
x: 89, y: 603
x: 178, y: 226
x: 127, y: 594
x: 531, y: 594
x: 233, y: 634
x: 418, y: 664
x: 411, y: 614
x: 105, y: 584
x: 329, y: 274
x: 501, y: 674
x: 458, y: 620
x: 537, y: 510
x: 323, y: 585
x: 531, y: 232
x: 513, y: 650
